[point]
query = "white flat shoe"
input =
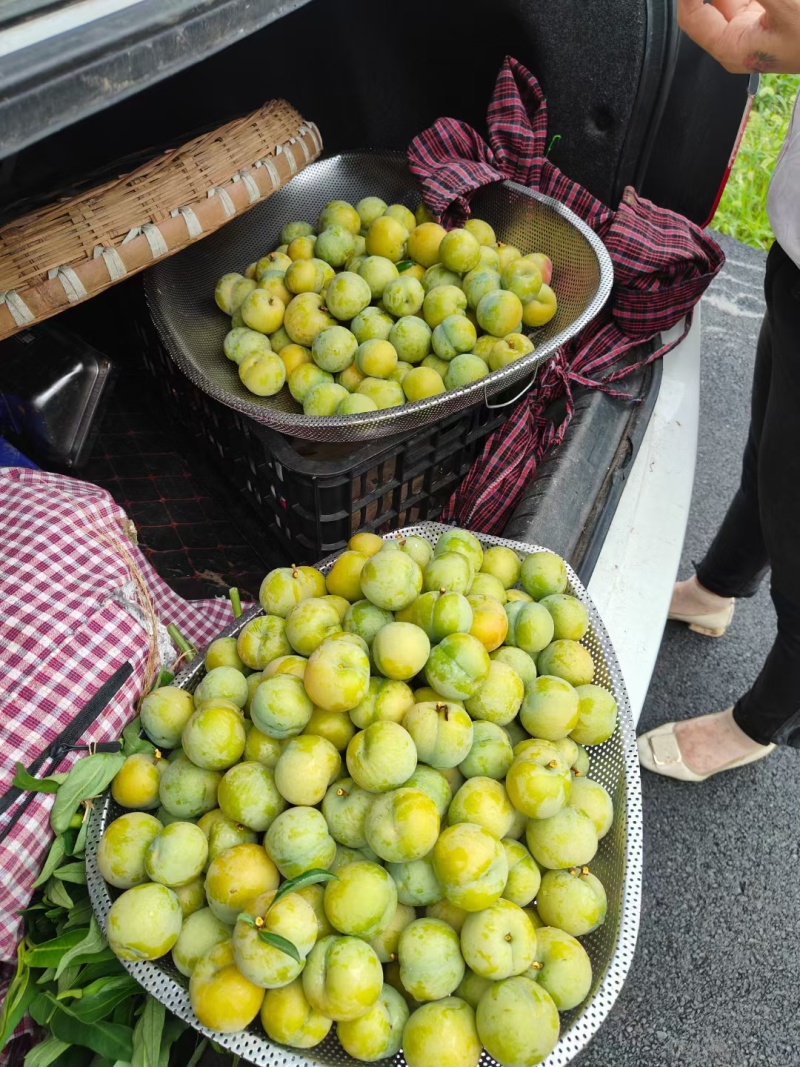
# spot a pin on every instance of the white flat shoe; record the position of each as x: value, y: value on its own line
x: 711, y: 624
x: 660, y: 753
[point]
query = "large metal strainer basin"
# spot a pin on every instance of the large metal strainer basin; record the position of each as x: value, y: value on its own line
x: 180, y: 291
x: 618, y: 865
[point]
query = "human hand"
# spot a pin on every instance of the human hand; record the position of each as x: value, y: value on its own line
x: 746, y: 36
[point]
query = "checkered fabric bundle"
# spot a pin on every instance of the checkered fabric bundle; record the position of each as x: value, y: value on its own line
x: 67, y: 624
x: 662, y: 266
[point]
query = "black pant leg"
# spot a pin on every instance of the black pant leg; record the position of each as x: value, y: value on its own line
x: 771, y: 709
x: 737, y: 560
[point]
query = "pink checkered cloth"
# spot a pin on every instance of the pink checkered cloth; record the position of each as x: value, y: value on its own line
x: 64, y: 630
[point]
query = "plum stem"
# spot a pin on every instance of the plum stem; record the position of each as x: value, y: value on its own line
x: 584, y: 872
x: 187, y: 650
x: 536, y: 966
x: 508, y: 937
x: 553, y: 763
x: 236, y: 602
x: 342, y: 793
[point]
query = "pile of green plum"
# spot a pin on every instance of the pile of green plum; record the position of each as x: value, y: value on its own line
x: 377, y: 810
x: 380, y: 307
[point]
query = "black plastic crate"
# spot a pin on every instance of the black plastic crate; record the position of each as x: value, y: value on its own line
x: 312, y: 497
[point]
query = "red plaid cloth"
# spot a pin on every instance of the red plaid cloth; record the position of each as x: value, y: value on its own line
x: 662, y: 266
x: 64, y: 630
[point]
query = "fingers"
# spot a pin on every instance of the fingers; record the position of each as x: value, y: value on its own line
x: 704, y: 23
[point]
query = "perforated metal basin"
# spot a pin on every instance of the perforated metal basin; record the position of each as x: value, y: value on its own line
x: 618, y: 865
x: 180, y: 291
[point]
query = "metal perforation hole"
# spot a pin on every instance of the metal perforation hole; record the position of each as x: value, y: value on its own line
x: 618, y: 864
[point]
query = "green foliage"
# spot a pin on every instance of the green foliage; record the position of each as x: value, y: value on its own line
x: 742, y: 212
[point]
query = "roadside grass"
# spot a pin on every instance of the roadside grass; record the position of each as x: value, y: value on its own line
x: 742, y: 212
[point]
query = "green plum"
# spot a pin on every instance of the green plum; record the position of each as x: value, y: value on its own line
x: 518, y: 660
x: 403, y: 296
x: 298, y: 841
x: 539, y: 781
x: 574, y: 901
x: 442, y: 1032
x: 442, y: 733
x: 442, y: 301
x: 458, y: 666
x: 431, y: 964
x: 566, y: 839
x: 517, y: 1022
x: 524, y: 876
x: 361, y: 900
x: 385, y: 394
x: 335, y: 245
x: 543, y: 574
x: 597, y: 715
x: 491, y: 754
x: 248, y: 795
x: 437, y: 275
x: 499, y: 698
x: 381, y: 757
x: 530, y: 627
x: 304, y: 378
x: 460, y: 251
x: 550, y: 708
x: 568, y: 660
x: 592, y: 800
x: 499, y: 941
x: 477, y: 283
x: 391, y: 581
x: 402, y: 825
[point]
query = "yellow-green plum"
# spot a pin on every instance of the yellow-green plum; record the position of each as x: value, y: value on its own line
x: 289, y: 664
x: 541, y: 309
x: 143, y: 923
x: 440, y: 614
x: 345, y: 808
x: 472, y: 986
x: 424, y: 242
x: 432, y: 782
x: 562, y: 967
x: 323, y: 400
x: 200, y: 932
x: 449, y: 913
x: 187, y: 791
x: 484, y: 347
x: 333, y: 726
x: 499, y: 313
x: 378, y: 1034
x: 402, y: 825
x: 450, y: 572
x: 315, y: 895
x: 543, y: 574
x: 442, y: 1032
x: 550, y: 708
x: 346, y: 296
x: 487, y: 585
x: 214, y: 737
x: 403, y: 215
x: 460, y: 251
x: 416, y: 881
x: 371, y: 323
x: 306, y: 315
x: 438, y: 274
x: 502, y: 563
x: 442, y: 733
x: 339, y: 213
x: 361, y: 900
x: 574, y: 901
x: 223, y: 292
x: 442, y: 301
x: 491, y: 754
x: 365, y: 619
x: 477, y: 283
x: 463, y: 542
x: 453, y: 337
x: 298, y: 841
x: 290, y: 917
x: 523, y: 278
x: 403, y: 296
x: 431, y: 964
x: 482, y: 802
x: 481, y: 230
x: 386, y: 700
x: 566, y: 839
x: 339, y: 601
x: 385, y: 943
x: 519, y: 661
x: 248, y: 795
x: 225, y: 833
x: 289, y: 1019
x: 242, y: 342
x: 530, y: 627
x: 539, y: 781
x: 377, y: 272
x: 524, y: 876
x: 411, y: 338
x: 335, y: 245
x: 455, y: 779
x: 385, y: 393
x: 136, y: 784
x: 164, y: 714
x: 337, y: 675
x: 457, y: 667
x: 295, y: 229
x: 222, y: 653
x: 570, y: 617
x: 305, y: 276
x: 382, y: 757
x: 301, y: 247
x: 517, y: 594
x: 489, y: 621
x: 499, y: 941
x: 262, y: 312
x: 309, y: 623
x: 569, y: 751
x: 305, y: 378
x: 221, y: 997
x: 432, y: 362
x: 305, y: 768
x: 508, y: 350
x: 592, y: 800
x: 274, y: 283
x: 345, y: 856
x: 222, y: 683
x: 334, y: 349
x: 177, y: 854
x: 517, y: 1022
x: 568, y: 660
x: 597, y: 716
x: 400, y: 650
x: 123, y: 847
x: 281, y: 707
x: 262, y: 640
x: 499, y: 698
x: 343, y: 977
x: 272, y: 261
x: 391, y: 581
x: 386, y: 237
x: 519, y: 826
x: 285, y: 587
x: 376, y: 358
x: 506, y: 254
x: 471, y: 866
x: 279, y: 340
x: 369, y: 209
x: 355, y: 404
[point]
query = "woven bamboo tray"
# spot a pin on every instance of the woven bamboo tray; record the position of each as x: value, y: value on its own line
x: 70, y: 250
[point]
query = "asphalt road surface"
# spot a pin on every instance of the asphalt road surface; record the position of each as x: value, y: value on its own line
x: 716, y: 977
